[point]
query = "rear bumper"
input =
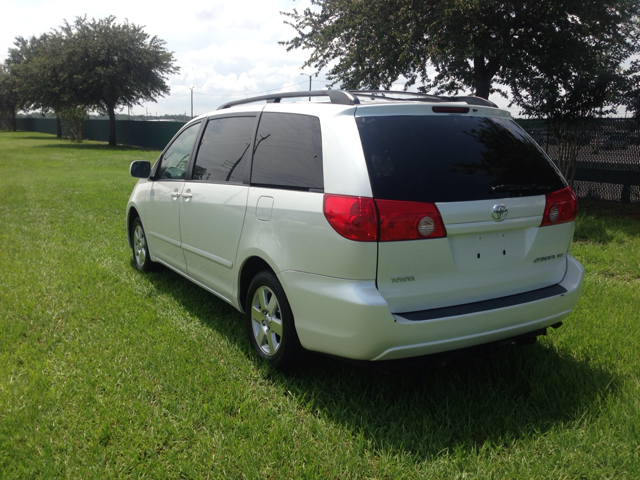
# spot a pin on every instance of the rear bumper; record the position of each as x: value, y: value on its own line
x: 351, y: 319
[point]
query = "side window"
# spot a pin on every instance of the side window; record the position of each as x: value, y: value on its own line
x: 176, y: 158
x: 288, y: 152
x: 224, y: 150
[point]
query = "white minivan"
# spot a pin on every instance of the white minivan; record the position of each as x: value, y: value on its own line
x: 366, y: 225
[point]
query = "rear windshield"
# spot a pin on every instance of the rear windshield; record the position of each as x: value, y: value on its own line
x: 451, y: 158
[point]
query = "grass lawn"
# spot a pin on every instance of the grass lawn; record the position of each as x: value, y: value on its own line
x: 108, y: 372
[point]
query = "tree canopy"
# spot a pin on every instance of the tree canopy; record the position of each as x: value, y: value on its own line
x: 12, y: 98
x: 93, y: 64
x: 562, y: 60
x: 8, y: 97
x: 471, y: 44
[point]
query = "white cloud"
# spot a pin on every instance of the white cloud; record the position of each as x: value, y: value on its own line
x: 225, y: 50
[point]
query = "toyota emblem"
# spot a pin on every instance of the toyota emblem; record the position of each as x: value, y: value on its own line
x: 499, y: 212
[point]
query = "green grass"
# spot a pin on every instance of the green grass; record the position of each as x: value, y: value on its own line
x: 108, y: 372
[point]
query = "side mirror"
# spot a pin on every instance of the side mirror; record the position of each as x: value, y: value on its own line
x: 140, y: 169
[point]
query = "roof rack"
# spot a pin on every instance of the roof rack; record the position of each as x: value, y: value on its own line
x: 421, y: 97
x: 350, y: 97
x: 340, y: 97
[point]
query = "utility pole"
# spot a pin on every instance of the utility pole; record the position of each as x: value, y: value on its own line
x: 192, y: 102
x: 307, y: 75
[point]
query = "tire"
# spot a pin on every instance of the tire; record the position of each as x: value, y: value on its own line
x: 140, y: 248
x: 270, y: 323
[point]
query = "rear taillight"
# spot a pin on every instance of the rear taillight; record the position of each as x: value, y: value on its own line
x: 560, y: 207
x: 354, y: 218
x: 366, y: 220
x: 409, y: 221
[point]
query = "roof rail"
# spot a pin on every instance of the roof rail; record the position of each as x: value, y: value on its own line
x: 421, y: 97
x: 336, y: 96
x: 350, y: 97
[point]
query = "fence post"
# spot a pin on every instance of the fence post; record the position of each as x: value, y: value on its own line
x: 625, y: 197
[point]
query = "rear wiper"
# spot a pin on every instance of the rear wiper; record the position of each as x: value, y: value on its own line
x: 519, y: 188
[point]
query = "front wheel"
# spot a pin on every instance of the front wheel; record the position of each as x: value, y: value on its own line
x: 270, y: 324
x: 141, y: 256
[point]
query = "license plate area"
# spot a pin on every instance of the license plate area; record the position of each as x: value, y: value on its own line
x: 488, y: 250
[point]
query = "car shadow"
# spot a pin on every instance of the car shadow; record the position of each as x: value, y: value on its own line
x: 423, y: 411
x: 426, y: 412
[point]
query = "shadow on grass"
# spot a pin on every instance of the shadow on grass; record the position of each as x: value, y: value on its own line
x: 44, y: 136
x: 520, y: 392
x: 66, y: 144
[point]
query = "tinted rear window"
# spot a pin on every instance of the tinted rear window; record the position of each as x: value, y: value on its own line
x: 453, y: 159
x: 288, y: 152
x: 224, y: 150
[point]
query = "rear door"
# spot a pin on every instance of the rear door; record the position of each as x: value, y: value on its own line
x: 488, y: 180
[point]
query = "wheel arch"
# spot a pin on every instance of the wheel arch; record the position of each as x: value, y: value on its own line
x: 132, y: 214
x: 250, y: 268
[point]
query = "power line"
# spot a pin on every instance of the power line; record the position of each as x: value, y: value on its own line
x: 172, y: 98
x: 249, y: 93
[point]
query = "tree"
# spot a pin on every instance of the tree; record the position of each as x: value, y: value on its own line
x: 471, y: 44
x: 568, y: 95
x: 92, y: 65
x: 72, y: 122
x: 110, y: 65
x: 12, y: 98
x: 38, y: 65
x: 9, y: 99
x: 583, y: 76
x: 632, y: 95
x: 560, y: 59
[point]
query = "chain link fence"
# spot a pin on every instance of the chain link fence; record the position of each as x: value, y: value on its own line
x: 608, y: 163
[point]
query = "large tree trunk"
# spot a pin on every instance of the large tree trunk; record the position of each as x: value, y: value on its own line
x: 568, y: 147
x: 58, y: 127
x: 483, y: 73
x: 14, y: 125
x: 112, y: 125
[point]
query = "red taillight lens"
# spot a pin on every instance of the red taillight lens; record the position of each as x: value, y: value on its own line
x: 560, y: 207
x: 409, y: 221
x: 354, y: 218
x: 358, y: 218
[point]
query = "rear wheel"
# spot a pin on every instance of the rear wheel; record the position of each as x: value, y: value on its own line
x: 141, y: 256
x: 270, y: 324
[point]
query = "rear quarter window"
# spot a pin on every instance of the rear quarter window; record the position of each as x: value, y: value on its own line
x: 453, y: 158
x: 288, y: 152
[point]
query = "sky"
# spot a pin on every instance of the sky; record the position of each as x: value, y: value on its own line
x: 226, y: 50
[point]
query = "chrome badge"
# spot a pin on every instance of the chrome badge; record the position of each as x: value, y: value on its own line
x: 499, y: 212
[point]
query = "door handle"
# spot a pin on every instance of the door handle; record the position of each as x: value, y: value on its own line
x: 187, y: 195
x: 175, y: 193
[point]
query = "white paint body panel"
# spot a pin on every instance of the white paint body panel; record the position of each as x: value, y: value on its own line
x: 210, y: 224
x: 351, y: 319
x: 479, y: 259
x: 299, y: 238
x: 162, y: 215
